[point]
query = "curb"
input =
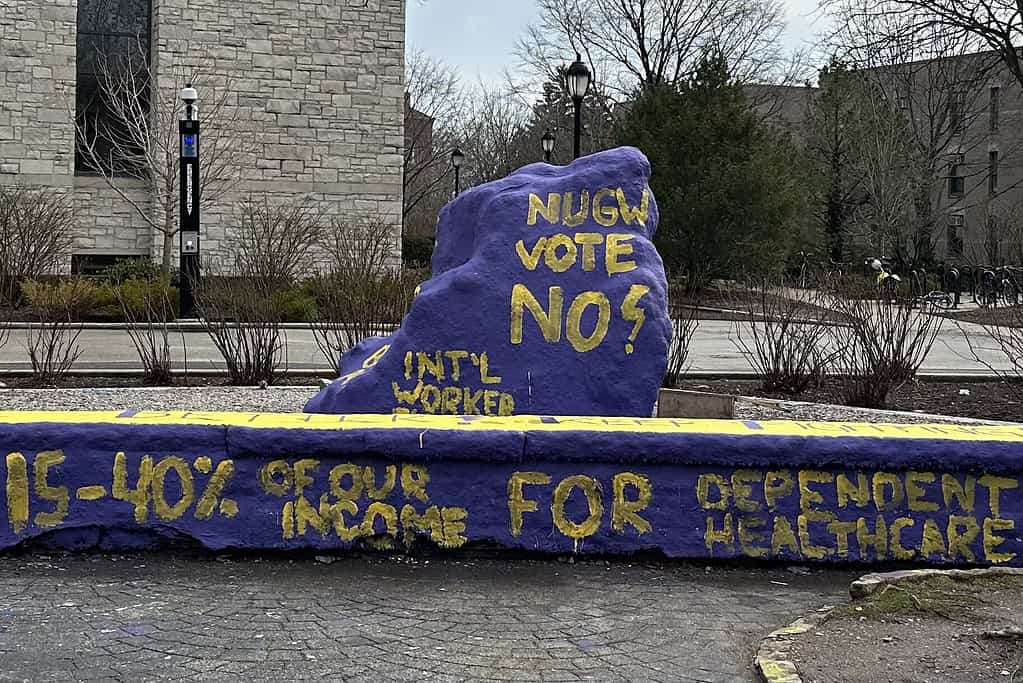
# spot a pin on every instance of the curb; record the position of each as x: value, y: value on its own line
x: 872, y: 583
x: 772, y: 660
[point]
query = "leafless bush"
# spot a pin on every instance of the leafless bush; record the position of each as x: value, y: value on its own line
x: 365, y: 248
x: 148, y: 312
x: 365, y: 294
x: 242, y: 309
x: 52, y: 342
x: 786, y: 339
x: 276, y: 241
x: 36, y: 232
x: 684, y: 311
x: 351, y: 309
x: 880, y: 346
x: 242, y: 316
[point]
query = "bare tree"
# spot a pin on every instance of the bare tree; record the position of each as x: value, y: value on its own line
x: 633, y: 43
x: 995, y: 25
x: 433, y: 105
x: 495, y: 136
x: 931, y: 81
x: 136, y: 136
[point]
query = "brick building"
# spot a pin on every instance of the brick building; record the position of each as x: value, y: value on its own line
x: 315, y: 88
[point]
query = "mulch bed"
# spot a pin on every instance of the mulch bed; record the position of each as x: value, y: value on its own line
x: 991, y: 400
x: 936, y: 630
x: 1003, y: 316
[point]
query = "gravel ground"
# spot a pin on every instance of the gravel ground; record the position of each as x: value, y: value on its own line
x: 292, y: 399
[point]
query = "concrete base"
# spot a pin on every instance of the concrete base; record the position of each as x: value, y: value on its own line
x: 678, y: 403
x: 796, y: 491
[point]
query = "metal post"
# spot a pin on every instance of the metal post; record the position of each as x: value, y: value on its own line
x: 578, y: 127
x: 190, y: 192
x: 458, y: 186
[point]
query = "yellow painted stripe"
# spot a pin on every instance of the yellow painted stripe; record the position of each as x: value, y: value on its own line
x: 1005, y: 433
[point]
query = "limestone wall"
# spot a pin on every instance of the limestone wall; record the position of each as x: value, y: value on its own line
x: 314, y: 94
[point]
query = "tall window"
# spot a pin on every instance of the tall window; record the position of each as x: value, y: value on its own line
x: 993, y: 107
x: 956, y: 223
x: 112, y: 35
x: 956, y: 181
x: 956, y: 113
x: 992, y: 172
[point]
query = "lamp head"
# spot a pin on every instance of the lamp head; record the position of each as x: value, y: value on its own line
x: 578, y: 78
x: 457, y: 158
x: 189, y: 95
x: 547, y: 141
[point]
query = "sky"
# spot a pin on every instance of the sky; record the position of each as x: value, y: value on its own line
x: 478, y: 36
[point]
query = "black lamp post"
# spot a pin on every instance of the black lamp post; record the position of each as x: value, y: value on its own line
x: 577, y: 80
x: 190, y: 193
x: 547, y: 142
x: 457, y: 159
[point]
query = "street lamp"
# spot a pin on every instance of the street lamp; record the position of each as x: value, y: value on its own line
x: 577, y: 80
x: 457, y: 159
x: 547, y: 142
x: 190, y: 193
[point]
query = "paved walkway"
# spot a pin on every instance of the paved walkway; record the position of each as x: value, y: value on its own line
x: 712, y: 350
x: 158, y: 617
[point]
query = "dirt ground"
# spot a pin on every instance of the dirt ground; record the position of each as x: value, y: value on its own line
x: 952, y: 631
x: 991, y: 400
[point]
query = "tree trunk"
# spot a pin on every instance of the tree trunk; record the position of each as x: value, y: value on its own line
x: 168, y: 251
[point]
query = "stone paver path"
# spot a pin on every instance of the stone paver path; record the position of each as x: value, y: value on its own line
x: 378, y: 618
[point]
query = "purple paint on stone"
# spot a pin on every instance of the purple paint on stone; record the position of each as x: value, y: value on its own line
x: 811, y: 497
x: 541, y: 302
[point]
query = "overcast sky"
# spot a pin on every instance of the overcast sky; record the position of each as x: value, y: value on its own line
x: 478, y: 36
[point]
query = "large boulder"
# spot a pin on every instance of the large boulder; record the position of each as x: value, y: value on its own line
x: 547, y: 297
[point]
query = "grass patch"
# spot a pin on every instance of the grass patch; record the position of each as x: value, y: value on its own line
x: 958, y: 600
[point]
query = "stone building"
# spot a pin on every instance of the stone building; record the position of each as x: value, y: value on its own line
x: 969, y: 111
x: 312, y: 94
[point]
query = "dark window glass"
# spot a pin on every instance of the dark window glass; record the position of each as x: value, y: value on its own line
x: 956, y: 112
x: 992, y: 172
x: 113, y: 36
x: 956, y: 182
x: 955, y: 239
x: 995, y: 105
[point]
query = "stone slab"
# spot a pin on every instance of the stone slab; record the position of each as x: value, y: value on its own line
x: 695, y: 404
x: 794, y: 491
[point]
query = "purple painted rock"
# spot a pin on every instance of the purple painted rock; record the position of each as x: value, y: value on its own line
x: 547, y: 297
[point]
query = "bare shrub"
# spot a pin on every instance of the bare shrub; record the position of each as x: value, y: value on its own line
x: 1007, y: 338
x: 36, y: 233
x: 785, y: 338
x: 351, y: 309
x: 243, y: 309
x: 148, y: 309
x: 361, y: 247
x: 52, y: 342
x: 880, y: 345
x: 276, y: 241
x: 242, y: 316
x: 683, y: 310
x: 365, y: 294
